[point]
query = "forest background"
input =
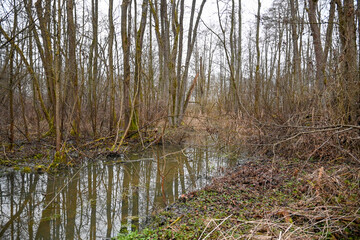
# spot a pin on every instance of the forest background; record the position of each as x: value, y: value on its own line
x: 70, y: 75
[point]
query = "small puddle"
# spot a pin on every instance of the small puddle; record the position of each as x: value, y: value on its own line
x: 101, y: 199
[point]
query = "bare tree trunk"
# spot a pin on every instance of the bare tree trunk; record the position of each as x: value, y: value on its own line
x: 126, y: 60
x: 165, y: 39
x: 257, y: 69
x: 232, y: 94
x: 37, y: 111
x: 12, y: 80
x: 72, y: 68
x: 329, y: 30
x: 180, y: 58
x: 30, y: 66
x: 44, y: 14
x: 210, y: 60
x: 295, y: 38
x: 23, y: 110
x: 57, y: 81
x: 350, y: 81
x: 319, y: 53
x: 112, y: 116
x: 92, y: 68
x: 138, y: 55
x: 151, y: 95
x: 172, y: 66
x: 251, y: 70
x: 239, y: 51
x: 201, y: 89
x: 278, y: 68
x: 11, y: 98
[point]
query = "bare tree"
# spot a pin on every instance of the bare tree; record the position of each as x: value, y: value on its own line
x: 93, y: 67
x: 319, y: 53
x: 349, y: 66
x: 138, y: 54
x: 257, y: 93
x: 112, y: 118
x: 125, y: 39
x: 72, y: 67
x: 12, y: 80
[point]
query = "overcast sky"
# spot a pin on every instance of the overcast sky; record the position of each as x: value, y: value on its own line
x: 249, y: 8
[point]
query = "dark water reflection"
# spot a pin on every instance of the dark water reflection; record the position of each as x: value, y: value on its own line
x: 102, y: 198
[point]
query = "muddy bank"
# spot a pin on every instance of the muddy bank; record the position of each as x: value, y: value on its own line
x: 285, y: 199
x: 29, y: 156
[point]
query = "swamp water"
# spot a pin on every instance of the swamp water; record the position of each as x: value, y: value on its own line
x: 104, y: 197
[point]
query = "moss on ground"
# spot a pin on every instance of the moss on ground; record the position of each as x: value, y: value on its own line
x: 266, y: 200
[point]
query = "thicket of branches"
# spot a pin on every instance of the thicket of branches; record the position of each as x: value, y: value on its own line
x: 69, y: 70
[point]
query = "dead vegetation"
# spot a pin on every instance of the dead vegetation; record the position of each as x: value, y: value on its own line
x: 300, y: 136
x: 307, y: 185
x: 266, y: 200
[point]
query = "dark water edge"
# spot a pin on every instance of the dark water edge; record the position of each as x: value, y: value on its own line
x: 102, y: 198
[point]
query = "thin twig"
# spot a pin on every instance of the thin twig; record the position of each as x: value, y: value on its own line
x: 347, y: 152
x: 173, y: 153
x: 207, y: 225
x: 138, y: 160
x: 217, y: 226
x: 63, y: 187
x: 303, y: 133
x: 5, y: 153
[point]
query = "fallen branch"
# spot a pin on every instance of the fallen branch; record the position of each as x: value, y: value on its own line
x: 215, y: 227
x: 304, y: 133
x: 178, y: 219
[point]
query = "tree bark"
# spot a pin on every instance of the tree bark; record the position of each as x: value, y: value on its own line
x: 295, y: 38
x: 57, y: 82
x: 257, y: 68
x: 112, y: 118
x: 93, y: 68
x: 126, y: 61
x: 72, y: 68
x: 44, y: 14
x: 350, y: 75
x: 319, y: 53
x: 138, y: 55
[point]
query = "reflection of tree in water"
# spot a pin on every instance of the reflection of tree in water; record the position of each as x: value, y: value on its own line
x: 92, y: 179
x: 125, y: 195
x: 50, y: 213
x: 71, y: 204
x: 20, y: 206
x: 102, y: 198
x: 109, y: 190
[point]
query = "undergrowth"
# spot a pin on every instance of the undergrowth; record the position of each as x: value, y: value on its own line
x: 267, y: 200
x: 306, y: 187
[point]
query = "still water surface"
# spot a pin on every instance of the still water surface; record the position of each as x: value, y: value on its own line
x: 104, y: 197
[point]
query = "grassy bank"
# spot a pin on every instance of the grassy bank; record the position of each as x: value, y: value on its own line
x: 284, y: 199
